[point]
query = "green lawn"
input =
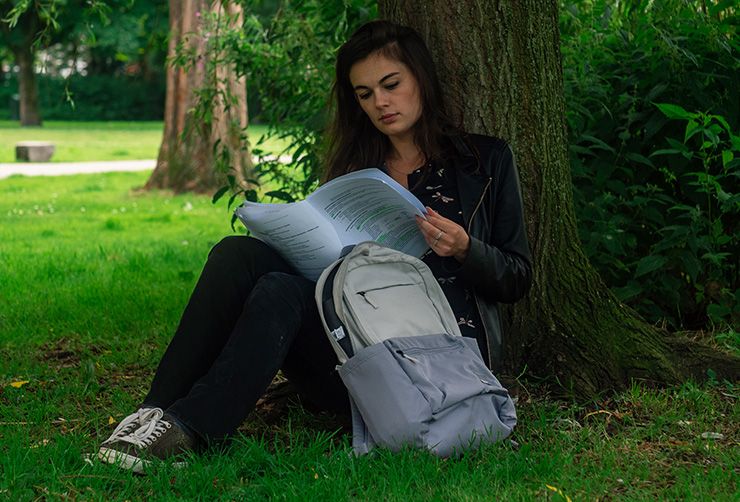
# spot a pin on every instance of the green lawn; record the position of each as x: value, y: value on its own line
x: 93, y: 276
x: 88, y: 141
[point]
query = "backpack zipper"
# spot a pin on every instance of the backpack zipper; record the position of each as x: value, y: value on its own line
x: 363, y: 294
x: 426, y: 350
x: 406, y: 356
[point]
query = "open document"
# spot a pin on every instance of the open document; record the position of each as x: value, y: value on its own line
x: 366, y: 205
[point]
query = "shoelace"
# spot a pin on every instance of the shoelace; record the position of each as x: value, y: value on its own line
x: 131, y: 423
x: 149, y: 432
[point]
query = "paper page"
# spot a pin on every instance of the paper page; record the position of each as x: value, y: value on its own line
x: 296, y: 231
x: 370, y: 205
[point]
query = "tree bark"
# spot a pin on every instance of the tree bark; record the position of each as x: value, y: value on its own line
x: 500, y: 65
x: 193, y: 146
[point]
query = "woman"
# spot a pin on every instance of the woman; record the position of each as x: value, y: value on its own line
x: 250, y: 315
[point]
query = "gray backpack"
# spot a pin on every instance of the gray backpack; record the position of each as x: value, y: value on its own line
x: 413, y: 380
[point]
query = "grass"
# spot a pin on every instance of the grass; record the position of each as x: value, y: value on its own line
x: 89, y: 141
x: 93, y: 276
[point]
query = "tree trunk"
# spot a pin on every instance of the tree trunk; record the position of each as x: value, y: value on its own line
x: 500, y: 65
x: 20, y: 41
x: 192, y: 146
x: 28, y: 94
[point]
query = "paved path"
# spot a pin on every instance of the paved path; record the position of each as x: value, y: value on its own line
x: 62, y: 168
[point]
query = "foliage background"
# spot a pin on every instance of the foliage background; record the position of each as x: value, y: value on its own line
x: 94, y: 59
x: 656, y: 186
x: 95, y: 97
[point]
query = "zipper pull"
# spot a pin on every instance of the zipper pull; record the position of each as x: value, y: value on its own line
x: 363, y: 294
x: 406, y: 356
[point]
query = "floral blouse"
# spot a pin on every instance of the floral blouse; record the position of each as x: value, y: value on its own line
x: 438, y: 190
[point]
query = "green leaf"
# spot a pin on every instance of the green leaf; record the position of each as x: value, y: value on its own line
x: 725, y: 124
x: 597, y: 143
x: 666, y: 151
x: 712, y: 135
x: 636, y: 157
x: 656, y: 91
x: 233, y: 198
x: 735, y: 140
x: 251, y: 195
x: 649, y: 264
x: 281, y: 195
x: 674, y: 111
x: 692, y: 127
x: 727, y: 156
x: 715, y: 258
x: 219, y: 193
x: 691, y: 265
x: 581, y: 150
x: 631, y: 290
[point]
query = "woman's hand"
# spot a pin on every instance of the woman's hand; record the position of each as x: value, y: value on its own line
x: 445, y: 237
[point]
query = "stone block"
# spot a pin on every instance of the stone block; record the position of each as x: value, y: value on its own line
x: 34, y: 151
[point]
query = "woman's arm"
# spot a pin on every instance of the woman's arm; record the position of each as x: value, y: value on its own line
x: 501, y: 269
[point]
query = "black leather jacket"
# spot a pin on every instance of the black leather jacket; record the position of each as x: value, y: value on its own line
x: 499, y: 263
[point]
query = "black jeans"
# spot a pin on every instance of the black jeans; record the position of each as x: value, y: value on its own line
x: 248, y: 316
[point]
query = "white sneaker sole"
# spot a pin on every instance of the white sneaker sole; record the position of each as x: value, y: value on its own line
x: 129, y: 462
x: 122, y: 460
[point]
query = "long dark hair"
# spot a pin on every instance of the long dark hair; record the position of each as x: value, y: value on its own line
x: 353, y: 141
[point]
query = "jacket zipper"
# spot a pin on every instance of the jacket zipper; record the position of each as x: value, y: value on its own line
x: 475, y: 297
x: 480, y: 203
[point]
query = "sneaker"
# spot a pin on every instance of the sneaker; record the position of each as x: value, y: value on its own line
x: 161, y: 438
x: 132, y: 422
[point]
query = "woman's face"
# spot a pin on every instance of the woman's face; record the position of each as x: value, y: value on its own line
x: 388, y: 93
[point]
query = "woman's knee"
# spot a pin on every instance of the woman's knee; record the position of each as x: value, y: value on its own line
x: 279, y: 285
x: 242, y: 252
x: 233, y: 245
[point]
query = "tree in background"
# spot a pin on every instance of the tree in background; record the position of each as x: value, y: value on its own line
x: 20, y: 36
x: 502, y: 69
x: 100, y: 36
x: 206, y: 107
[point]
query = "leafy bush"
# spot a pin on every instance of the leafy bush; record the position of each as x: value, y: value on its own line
x: 655, y: 185
x: 687, y: 223
x: 92, y: 97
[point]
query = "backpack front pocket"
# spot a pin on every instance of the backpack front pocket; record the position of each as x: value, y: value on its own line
x: 394, y: 310
x: 443, y: 368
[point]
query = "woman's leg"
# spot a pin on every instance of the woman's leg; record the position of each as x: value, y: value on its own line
x: 311, y: 366
x: 208, y: 381
x: 233, y: 268
x: 278, y: 318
